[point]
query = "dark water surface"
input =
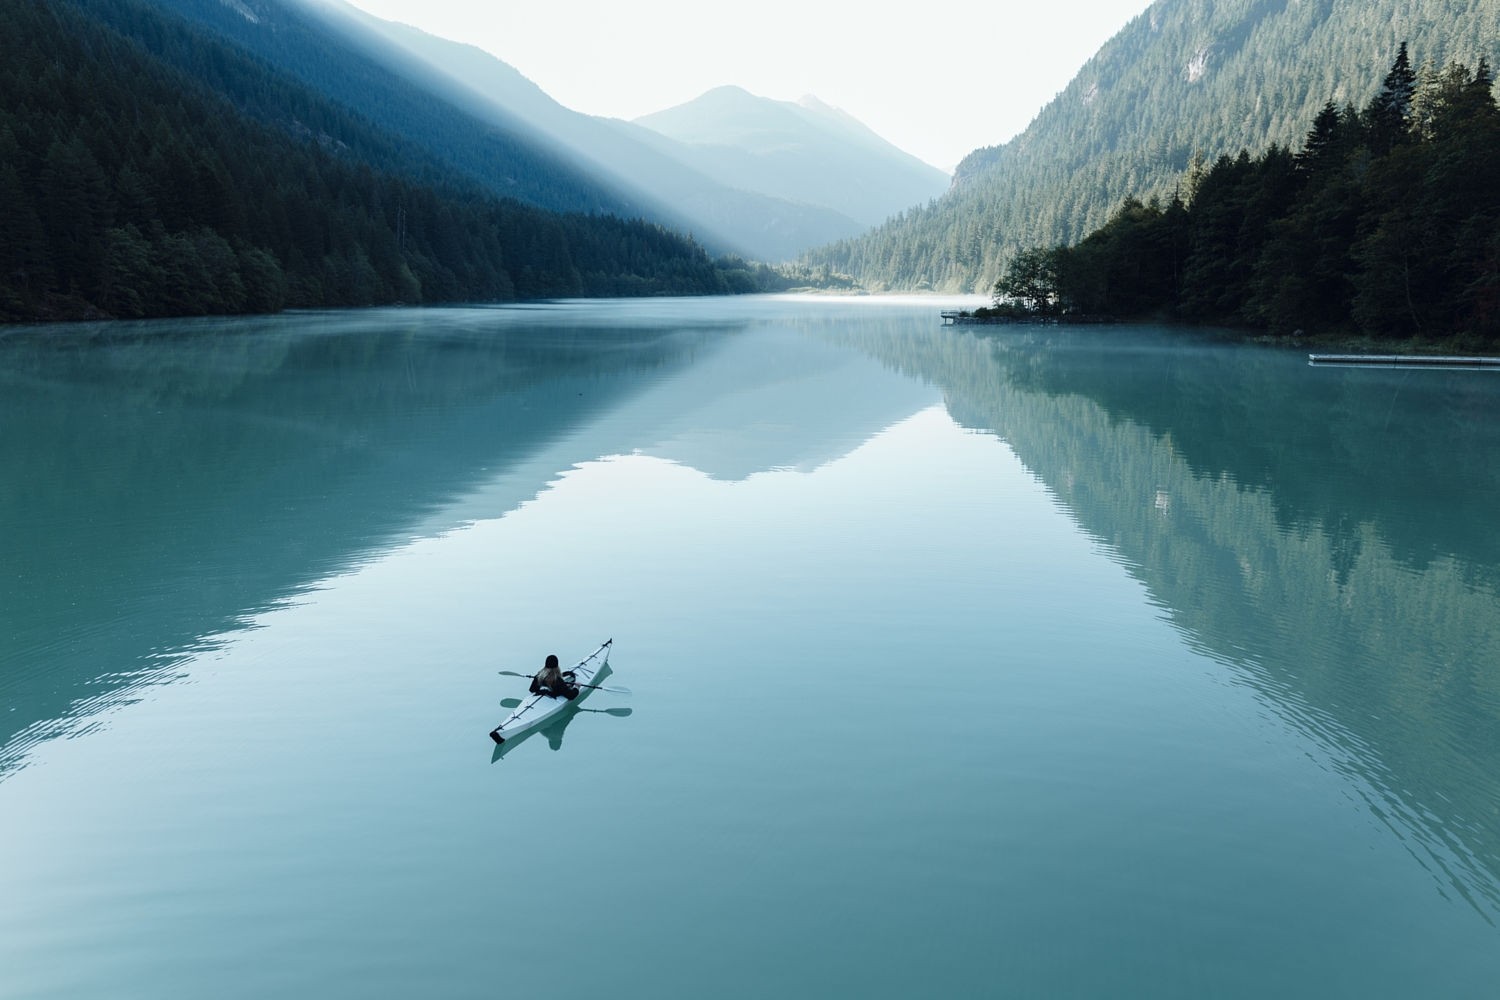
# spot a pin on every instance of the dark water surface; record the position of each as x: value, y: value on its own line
x: 966, y: 662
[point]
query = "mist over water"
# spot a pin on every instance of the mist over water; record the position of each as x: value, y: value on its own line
x: 1037, y: 662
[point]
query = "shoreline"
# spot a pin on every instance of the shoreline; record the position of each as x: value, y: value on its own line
x: 1317, y: 343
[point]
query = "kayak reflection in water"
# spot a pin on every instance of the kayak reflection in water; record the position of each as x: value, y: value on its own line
x: 552, y: 732
x: 553, y: 682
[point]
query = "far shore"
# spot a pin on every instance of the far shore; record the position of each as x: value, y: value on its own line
x: 1347, y: 342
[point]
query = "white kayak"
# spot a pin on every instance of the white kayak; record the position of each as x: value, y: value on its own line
x: 538, y: 709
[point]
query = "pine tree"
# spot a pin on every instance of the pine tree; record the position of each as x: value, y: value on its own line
x: 1324, y: 146
x: 1389, y: 113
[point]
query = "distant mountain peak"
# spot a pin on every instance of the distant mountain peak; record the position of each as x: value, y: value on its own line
x: 805, y: 151
x: 733, y: 116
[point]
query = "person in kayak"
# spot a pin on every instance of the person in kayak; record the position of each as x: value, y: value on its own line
x: 553, y: 682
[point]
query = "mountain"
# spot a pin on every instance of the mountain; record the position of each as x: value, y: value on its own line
x: 1186, y: 79
x: 426, y: 136
x: 442, y: 108
x: 148, y: 168
x: 661, y: 181
x: 803, y: 152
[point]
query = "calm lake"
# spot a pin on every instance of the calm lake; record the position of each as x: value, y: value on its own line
x: 964, y: 662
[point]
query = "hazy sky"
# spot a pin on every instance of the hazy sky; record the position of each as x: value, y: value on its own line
x: 938, y: 79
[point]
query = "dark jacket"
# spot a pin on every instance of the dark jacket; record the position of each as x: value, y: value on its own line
x: 550, y: 680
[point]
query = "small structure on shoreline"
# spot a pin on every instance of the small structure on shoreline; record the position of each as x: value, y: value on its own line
x: 962, y: 317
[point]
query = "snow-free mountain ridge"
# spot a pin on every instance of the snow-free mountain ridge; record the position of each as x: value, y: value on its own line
x: 792, y: 203
x: 804, y: 151
x: 1184, y: 78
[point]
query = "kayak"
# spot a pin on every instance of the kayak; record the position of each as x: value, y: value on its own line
x: 538, y: 709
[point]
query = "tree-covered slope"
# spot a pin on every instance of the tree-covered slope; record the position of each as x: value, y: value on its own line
x: 426, y: 129
x: 458, y: 83
x: 1385, y: 222
x: 1185, y: 78
x: 130, y: 186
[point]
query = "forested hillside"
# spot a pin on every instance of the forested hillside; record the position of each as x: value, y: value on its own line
x: 311, y: 63
x: 1185, y: 79
x: 129, y: 187
x: 657, y: 177
x: 1385, y: 222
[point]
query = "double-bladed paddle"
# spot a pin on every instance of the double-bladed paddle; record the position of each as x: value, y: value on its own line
x: 596, y: 687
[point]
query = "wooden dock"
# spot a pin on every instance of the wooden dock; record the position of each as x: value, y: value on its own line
x: 953, y: 316
x: 965, y: 318
x: 1405, y: 360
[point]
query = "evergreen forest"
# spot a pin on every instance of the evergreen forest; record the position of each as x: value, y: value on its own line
x: 1183, y: 81
x: 1385, y: 223
x: 132, y: 188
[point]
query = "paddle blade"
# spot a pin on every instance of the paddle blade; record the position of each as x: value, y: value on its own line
x: 510, y: 702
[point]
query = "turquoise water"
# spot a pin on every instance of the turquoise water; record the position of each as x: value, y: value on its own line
x: 965, y: 661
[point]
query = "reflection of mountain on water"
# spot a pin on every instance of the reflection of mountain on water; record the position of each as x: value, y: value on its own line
x: 777, y: 402
x: 1325, y: 533
x: 164, y: 482
x: 1267, y: 419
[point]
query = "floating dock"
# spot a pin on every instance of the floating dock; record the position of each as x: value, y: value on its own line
x: 1404, y: 360
x: 953, y: 317
x: 956, y: 318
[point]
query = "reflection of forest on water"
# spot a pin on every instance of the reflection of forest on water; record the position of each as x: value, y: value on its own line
x: 165, y: 481
x: 1327, y: 532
